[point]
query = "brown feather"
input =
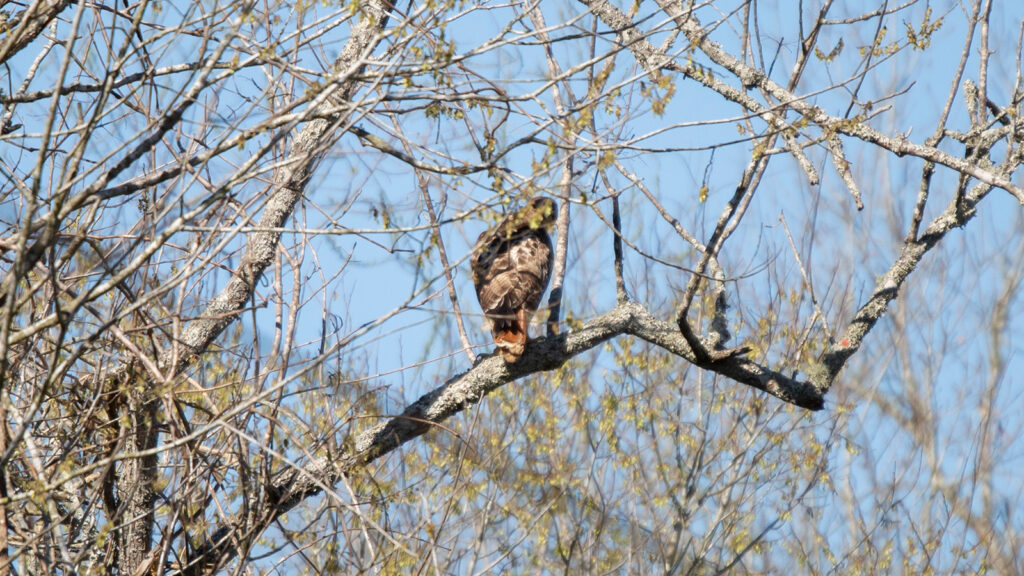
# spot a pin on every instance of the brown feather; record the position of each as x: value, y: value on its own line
x: 511, y: 267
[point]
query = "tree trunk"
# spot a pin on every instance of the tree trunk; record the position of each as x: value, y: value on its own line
x: 135, y: 484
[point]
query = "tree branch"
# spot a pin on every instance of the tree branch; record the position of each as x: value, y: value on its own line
x: 136, y: 483
x: 914, y: 249
x: 295, y: 485
x: 28, y: 24
x: 899, y: 145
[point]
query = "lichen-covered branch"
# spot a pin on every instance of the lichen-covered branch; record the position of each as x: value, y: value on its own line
x: 295, y: 485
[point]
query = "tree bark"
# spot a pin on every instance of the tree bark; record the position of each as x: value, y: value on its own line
x: 137, y: 476
x: 135, y: 483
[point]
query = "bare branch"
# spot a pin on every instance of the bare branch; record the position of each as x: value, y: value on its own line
x: 464, y: 390
x: 26, y: 25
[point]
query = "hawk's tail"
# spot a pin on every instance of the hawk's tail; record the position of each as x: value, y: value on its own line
x: 510, y: 336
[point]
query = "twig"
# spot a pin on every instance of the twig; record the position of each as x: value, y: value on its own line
x: 448, y: 276
x: 563, y: 102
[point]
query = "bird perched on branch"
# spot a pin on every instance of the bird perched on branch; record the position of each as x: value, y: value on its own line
x: 511, y: 268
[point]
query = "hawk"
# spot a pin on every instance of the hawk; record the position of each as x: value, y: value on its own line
x: 511, y: 268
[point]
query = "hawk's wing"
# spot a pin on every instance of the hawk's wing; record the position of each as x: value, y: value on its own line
x: 513, y: 274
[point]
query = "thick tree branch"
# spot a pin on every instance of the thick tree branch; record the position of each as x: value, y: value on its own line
x: 26, y: 25
x: 291, y: 180
x: 295, y: 485
x: 889, y: 285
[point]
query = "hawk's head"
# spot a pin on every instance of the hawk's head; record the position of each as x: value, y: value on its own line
x: 539, y: 212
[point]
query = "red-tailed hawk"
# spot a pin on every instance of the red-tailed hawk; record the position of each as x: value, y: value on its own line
x: 511, y: 268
